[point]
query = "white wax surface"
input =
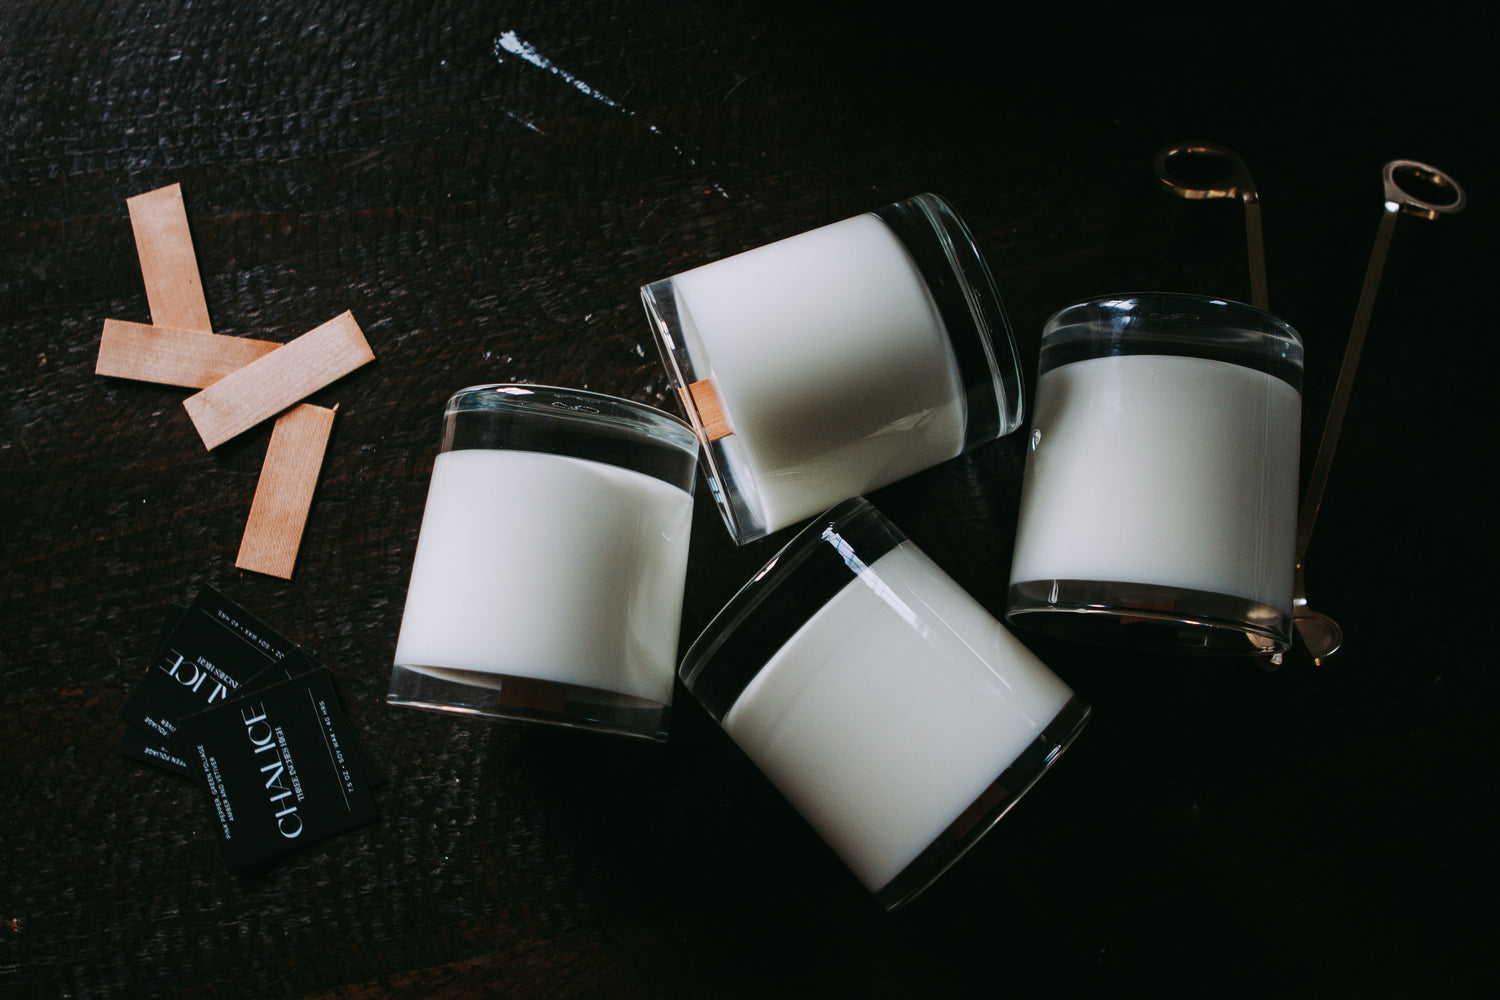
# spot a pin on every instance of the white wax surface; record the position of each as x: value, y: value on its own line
x: 1171, y: 471
x: 886, y: 715
x: 548, y: 567
x: 832, y: 364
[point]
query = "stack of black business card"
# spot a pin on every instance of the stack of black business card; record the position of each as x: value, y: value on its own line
x: 255, y: 719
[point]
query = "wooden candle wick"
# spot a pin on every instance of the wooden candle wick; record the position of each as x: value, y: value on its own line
x: 284, y: 493
x: 168, y: 264
x: 185, y: 358
x: 702, y: 399
x: 270, y: 384
x: 242, y: 381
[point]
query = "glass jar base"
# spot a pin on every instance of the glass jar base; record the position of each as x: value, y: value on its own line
x: 527, y: 699
x: 1149, y: 617
x: 987, y: 810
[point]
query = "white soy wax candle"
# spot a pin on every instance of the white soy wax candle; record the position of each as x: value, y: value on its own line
x: 838, y: 360
x: 893, y: 712
x: 1159, y: 502
x: 548, y: 578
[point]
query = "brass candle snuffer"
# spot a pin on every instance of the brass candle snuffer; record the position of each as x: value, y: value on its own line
x: 1320, y: 634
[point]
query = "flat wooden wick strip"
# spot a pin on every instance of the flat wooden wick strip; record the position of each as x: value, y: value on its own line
x: 283, y: 495
x: 168, y: 264
x: 267, y: 386
x: 702, y: 398
x: 173, y: 357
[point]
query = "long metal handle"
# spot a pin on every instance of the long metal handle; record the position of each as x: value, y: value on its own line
x: 1235, y: 183
x: 1397, y: 201
x: 1320, y: 634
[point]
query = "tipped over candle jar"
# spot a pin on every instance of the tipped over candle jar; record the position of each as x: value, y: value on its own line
x: 897, y: 716
x: 1159, y: 506
x: 834, y: 362
x: 548, y: 578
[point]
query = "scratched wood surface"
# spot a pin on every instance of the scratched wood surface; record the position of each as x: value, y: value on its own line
x: 1218, y: 830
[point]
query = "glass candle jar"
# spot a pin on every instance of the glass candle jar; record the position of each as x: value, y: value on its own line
x: 1159, y: 507
x: 897, y: 716
x: 836, y: 361
x: 548, y: 578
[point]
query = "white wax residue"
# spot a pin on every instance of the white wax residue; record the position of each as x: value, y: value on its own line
x: 832, y: 364
x: 548, y: 567
x: 509, y: 42
x: 1169, y: 471
x: 887, y: 715
x: 516, y: 46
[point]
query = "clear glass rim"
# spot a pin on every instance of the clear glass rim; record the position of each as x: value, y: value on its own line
x: 526, y: 394
x: 1173, y: 324
x: 528, y: 699
x: 574, y: 423
x: 661, y: 311
x: 765, y: 612
x: 992, y: 805
x: 1148, y: 617
x: 979, y: 330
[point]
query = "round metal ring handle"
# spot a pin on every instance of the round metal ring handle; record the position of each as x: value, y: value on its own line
x: 1236, y: 183
x: 1398, y: 170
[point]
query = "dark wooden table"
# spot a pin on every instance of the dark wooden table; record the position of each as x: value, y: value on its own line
x: 1218, y: 830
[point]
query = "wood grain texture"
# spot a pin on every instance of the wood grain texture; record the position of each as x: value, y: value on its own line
x: 173, y: 357
x: 284, y: 492
x: 279, y: 379
x: 704, y: 400
x: 169, y: 266
x: 1216, y: 831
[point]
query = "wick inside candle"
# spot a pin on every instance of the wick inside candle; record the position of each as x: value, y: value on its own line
x: 703, y: 399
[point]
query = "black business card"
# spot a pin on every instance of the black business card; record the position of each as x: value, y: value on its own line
x: 294, y: 666
x: 149, y: 746
x: 152, y: 750
x: 278, y: 768
x: 255, y: 719
x: 215, y: 649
